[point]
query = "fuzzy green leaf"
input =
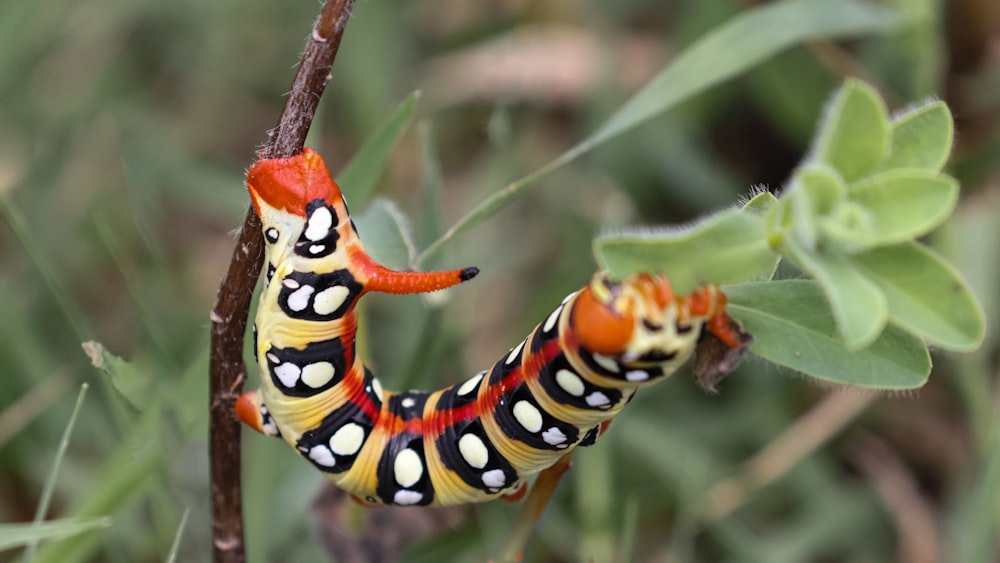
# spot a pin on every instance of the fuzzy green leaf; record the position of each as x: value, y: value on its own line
x: 858, y: 304
x: 853, y: 136
x: 815, y: 192
x: 922, y: 138
x: 793, y: 326
x: 728, y: 247
x: 925, y: 295
x: 357, y: 179
x: 760, y: 204
x: 905, y: 203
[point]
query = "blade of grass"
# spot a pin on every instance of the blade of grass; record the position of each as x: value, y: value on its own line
x: 18, y: 224
x: 175, y: 546
x: 358, y: 178
x: 16, y: 535
x: 50, y: 482
x: 729, y: 50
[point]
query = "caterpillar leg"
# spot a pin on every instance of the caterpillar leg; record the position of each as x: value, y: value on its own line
x: 252, y: 412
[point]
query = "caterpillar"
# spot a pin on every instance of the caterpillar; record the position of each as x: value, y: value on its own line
x: 471, y: 442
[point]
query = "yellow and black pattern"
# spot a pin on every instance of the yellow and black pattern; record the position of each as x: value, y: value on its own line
x: 473, y: 441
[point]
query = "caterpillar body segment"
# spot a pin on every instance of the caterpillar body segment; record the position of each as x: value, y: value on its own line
x: 473, y: 441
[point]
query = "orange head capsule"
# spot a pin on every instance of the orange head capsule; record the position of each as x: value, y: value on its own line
x: 290, y: 184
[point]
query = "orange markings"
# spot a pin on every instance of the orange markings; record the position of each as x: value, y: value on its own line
x: 291, y: 183
x: 384, y: 280
x: 247, y: 412
x: 711, y: 302
x: 516, y: 494
x: 600, y: 329
x: 656, y: 289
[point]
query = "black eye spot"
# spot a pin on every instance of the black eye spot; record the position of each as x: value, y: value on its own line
x: 651, y: 326
x: 271, y: 235
x: 683, y: 328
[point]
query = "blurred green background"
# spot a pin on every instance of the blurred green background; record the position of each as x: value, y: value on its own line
x: 125, y: 128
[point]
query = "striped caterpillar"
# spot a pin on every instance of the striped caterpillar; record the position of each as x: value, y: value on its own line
x: 473, y: 441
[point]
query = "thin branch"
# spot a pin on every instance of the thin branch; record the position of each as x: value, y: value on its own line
x: 809, y: 432
x: 513, y: 546
x: 229, y: 316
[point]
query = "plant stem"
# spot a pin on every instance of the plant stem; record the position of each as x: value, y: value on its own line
x: 229, y: 316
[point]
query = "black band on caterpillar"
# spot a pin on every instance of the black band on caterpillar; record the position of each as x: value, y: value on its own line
x: 470, y: 442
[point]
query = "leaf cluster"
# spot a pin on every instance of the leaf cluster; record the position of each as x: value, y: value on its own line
x: 850, y: 218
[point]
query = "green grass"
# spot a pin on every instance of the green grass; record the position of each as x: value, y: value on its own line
x: 125, y: 128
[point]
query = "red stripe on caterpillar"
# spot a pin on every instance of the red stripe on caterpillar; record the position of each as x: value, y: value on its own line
x: 473, y: 441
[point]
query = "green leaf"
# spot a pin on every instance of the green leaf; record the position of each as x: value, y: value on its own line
x: 905, y: 203
x: 725, y: 248
x: 17, y: 535
x: 815, y: 192
x: 133, y: 385
x: 733, y: 48
x: 922, y: 137
x: 853, y: 136
x: 738, y: 45
x: 760, y: 204
x: 386, y: 233
x: 793, y: 326
x: 925, y: 295
x: 431, y: 215
x: 857, y: 303
x: 357, y: 179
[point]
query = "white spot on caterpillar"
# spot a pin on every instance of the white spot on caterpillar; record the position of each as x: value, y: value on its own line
x: 322, y: 456
x: 288, y: 373
x: 606, y: 363
x: 319, y: 224
x: 317, y: 374
x: 570, y: 382
x: 407, y: 468
x: 528, y: 416
x: 316, y: 248
x: 515, y: 353
x: 407, y: 497
x: 598, y: 399
x: 473, y: 451
x: 290, y: 283
x: 272, y: 234
x: 270, y: 429
x: 330, y: 299
x: 494, y: 478
x: 553, y: 436
x: 637, y: 375
x: 470, y: 385
x: 553, y: 317
x: 299, y: 299
x: 272, y: 357
x: 568, y: 297
x: 347, y: 440
x: 377, y: 387
x: 407, y: 402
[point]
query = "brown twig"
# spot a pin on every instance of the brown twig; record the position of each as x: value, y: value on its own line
x: 229, y: 316
x: 531, y: 511
x: 809, y: 432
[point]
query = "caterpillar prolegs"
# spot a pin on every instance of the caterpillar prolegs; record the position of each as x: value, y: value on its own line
x: 473, y: 441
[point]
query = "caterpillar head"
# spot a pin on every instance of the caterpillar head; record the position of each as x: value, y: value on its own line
x: 640, y: 321
x: 304, y: 216
x: 298, y: 202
